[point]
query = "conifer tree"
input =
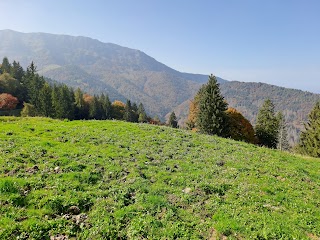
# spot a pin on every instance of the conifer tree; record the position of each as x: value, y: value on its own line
x: 94, y: 108
x: 310, y: 138
x: 17, y: 71
x: 211, y: 118
x: 5, y: 66
x: 128, y: 114
x: 282, y: 138
x: 79, y: 104
x: 107, y: 107
x: 45, y: 101
x: 173, y: 120
x: 267, y: 125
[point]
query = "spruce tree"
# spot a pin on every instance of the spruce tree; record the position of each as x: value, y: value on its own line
x: 128, y: 113
x: 211, y: 118
x: 173, y: 120
x: 94, y: 108
x: 267, y: 125
x: 282, y: 138
x: 108, y: 107
x: 5, y: 66
x: 45, y: 101
x: 79, y: 104
x: 17, y: 71
x: 310, y: 138
x: 142, y: 114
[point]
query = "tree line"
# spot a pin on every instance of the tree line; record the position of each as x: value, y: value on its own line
x: 37, y: 97
x: 209, y: 113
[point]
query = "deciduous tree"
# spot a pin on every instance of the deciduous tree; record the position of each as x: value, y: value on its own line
x: 8, y: 102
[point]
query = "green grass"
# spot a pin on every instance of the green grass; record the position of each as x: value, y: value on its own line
x: 137, y: 181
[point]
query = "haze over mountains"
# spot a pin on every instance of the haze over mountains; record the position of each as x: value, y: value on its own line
x: 127, y: 73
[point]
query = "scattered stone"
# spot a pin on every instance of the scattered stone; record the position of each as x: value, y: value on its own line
x: 74, y: 210
x: 67, y: 216
x: 59, y: 237
x: 57, y: 169
x: 220, y: 163
x: 33, y: 169
x: 187, y: 190
x: 20, y: 219
x: 79, y: 219
x: 11, y: 173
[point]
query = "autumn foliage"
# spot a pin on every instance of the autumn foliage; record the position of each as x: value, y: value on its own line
x: 8, y: 102
x: 239, y: 127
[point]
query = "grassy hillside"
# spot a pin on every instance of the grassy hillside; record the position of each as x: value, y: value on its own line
x: 116, y: 180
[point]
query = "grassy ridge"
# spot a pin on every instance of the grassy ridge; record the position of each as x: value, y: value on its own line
x: 116, y: 180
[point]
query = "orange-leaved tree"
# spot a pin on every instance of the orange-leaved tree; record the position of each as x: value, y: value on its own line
x: 239, y: 127
x: 8, y: 102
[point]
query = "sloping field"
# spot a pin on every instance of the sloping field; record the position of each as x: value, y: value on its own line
x: 116, y: 180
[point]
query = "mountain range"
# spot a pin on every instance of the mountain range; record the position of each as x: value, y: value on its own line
x: 126, y: 73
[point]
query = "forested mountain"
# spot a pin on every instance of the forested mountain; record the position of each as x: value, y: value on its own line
x: 102, y: 67
x: 125, y: 73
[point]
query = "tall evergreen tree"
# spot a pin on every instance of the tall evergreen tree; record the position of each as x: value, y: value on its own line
x: 128, y: 113
x: 33, y: 83
x: 79, y: 103
x: 282, y: 138
x: 5, y: 66
x: 211, y: 118
x: 107, y: 107
x: 17, y: 71
x: 45, y: 101
x: 94, y: 108
x: 310, y: 138
x: 267, y: 125
x: 172, y: 122
x: 142, y: 114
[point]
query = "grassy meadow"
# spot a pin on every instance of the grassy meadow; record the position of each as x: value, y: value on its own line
x: 118, y: 180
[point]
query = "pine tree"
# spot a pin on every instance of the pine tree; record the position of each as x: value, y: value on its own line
x: 211, y: 118
x: 310, y: 138
x: 173, y: 120
x: 267, y: 125
x: 282, y: 138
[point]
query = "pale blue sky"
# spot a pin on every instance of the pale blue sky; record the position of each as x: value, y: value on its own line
x: 272, y: 41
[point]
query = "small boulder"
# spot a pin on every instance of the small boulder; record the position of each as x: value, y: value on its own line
x: 187, y: 190
x: 74, y: 210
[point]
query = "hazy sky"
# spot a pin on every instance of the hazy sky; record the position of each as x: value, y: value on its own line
x: 272, y: 41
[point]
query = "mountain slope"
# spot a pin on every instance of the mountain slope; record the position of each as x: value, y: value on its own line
x: 127, y: 73
x: 103, y: 67
x: 116, y: 180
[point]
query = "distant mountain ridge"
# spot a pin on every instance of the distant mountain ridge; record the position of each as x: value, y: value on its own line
x: 124, y: 73
x: 103, y: 67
